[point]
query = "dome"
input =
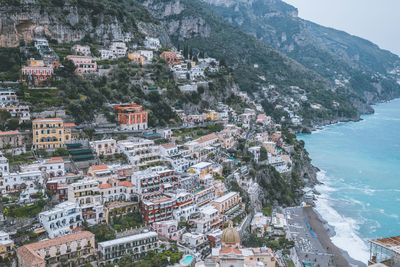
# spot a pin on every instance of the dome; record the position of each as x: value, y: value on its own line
x: 230, y: 236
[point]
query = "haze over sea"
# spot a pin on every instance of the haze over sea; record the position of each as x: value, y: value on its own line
x: 360, y: 169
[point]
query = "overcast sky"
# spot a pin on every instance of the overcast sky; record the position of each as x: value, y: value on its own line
x: 375, y: 20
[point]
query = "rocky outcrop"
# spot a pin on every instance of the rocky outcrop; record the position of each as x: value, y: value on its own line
x: 186, y: 27
x: 69, y: 23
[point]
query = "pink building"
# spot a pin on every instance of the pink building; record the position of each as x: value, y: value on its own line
x: 83, y: 64
x: 168, y: 229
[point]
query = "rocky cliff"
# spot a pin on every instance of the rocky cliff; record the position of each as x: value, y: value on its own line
x: 68, y: 21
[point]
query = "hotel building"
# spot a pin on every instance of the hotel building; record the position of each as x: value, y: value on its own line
x: 131, y: 116
x: 51, y: 133
x: 71, y: 250
x: 137, y: 245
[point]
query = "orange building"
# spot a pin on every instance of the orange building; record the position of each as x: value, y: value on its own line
x: 131, y: 116
x: 36, y: 71
x: 171, y: 58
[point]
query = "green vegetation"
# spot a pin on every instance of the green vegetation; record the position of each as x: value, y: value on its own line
x: 131, y: 220
x: 20, y: 159
x: 267, y: 210
x: 102, y: 232
x: 153, y: 259
x: 275, y: 244
x: 17, y: 211
x: 10, y: 64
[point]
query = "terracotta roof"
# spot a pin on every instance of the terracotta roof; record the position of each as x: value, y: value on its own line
x: 104, y: 186
x: 69, y: 125
x: 9, y: 132
x: 228, y: 250
x: 29, y: 256
x: 207, y: 137
x: 125, y: 183
x: 169, y: 145
x: 55, y: 160
x: 98, y: 167
x: 47, y: 119
x: 29, y: 252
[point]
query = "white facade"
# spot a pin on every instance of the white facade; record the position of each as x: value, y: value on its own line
x: 140, y: 152
x: 106, y: 54
x: 119, y: 49
x: 62, y: 219
x: 152, y: 43
x: 139, y: 244
x: 104, y: 147
x: 81, y: 49
x: 147, y: 54
x: 86, y: 193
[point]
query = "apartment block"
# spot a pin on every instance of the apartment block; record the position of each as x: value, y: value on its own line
x: 138, y: 245
x: 61, y: 220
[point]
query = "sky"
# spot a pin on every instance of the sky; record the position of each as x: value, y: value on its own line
x: 374, y: 20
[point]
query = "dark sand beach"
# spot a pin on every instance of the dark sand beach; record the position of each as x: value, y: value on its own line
x: 340, y: 257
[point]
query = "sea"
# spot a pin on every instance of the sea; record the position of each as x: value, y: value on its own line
x: 360, y: 172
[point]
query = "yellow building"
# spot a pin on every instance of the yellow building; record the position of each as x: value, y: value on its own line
x: 226, y: 202
x: 6, y: 245
x: 51, y: 133
x: 136, y: 58
x: 212, y: 115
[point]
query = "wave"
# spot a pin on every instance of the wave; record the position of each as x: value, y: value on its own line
x: 346, y: 236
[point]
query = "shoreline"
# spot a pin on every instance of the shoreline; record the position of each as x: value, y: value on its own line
x: 324, y: 233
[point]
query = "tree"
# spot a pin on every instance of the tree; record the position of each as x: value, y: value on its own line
x: 12, y: 124
x: 263, y: 154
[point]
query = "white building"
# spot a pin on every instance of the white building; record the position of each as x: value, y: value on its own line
x: 208, y: 220
x: 8, y: 97
x: 111, y: 251
x: 106, y: 54
x: 83, y: 50
x: 147, y: 54
x: 62, y: 219
x: 104, y: 147
x: 54, y: 166
x: 86, y: 193
x: 139, y: 151
x: 152, y: 43
x: 255, y: 150
x: 195, y: 240
x: 183, y: 214
x: 119, y: 49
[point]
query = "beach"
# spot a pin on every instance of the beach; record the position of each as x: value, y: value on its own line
x: 323, y: 233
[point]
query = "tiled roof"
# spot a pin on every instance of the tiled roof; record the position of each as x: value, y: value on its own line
x: 47, y: 119
x: 207, y: 137
x: 69, y: 125
x: 98, y: 167
x: 125, y: 183
x: 53, y: 160
x: 104, y: 186
x: 9, y: 132
x: 169, y: 145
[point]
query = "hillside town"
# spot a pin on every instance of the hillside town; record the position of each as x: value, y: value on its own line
x: 125, y: 190
x: 131, y: 190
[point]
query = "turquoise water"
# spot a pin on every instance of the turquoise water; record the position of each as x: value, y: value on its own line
x: 187, y: 260
x: 360, y: 169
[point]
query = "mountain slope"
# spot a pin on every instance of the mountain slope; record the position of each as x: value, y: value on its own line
x: 258, y: 68
x: 345, y: 60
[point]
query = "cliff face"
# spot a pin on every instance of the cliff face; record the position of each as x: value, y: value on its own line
x: 68, y: 23
x: 179, y: 25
